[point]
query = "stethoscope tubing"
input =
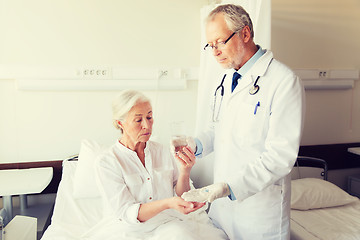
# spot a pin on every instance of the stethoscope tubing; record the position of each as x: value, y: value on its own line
x: 252, y: 91
x: 221, y: 86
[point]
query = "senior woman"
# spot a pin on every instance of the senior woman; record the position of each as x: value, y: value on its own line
x: 140, y: 181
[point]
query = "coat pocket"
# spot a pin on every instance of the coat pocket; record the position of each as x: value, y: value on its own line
x: 249, y: 122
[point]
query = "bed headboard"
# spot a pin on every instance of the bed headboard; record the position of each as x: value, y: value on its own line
x: 337, y: 156
x: 319, y: 167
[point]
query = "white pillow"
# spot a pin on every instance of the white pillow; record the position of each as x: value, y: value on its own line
x: 312, y: 193
x: 84, y: 180
x: 75, y: 215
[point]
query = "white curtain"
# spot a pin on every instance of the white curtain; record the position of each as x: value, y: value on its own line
x: 210, y: 73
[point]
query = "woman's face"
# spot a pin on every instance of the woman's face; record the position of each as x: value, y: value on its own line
x: 137, y: 126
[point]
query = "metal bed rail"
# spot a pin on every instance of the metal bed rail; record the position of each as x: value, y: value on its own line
x: 305, y: 161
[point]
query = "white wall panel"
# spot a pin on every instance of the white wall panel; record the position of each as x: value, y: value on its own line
x: 54, y: 40
x: 322, y: 34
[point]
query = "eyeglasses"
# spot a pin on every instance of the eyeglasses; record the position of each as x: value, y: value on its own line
x: 219, y: 45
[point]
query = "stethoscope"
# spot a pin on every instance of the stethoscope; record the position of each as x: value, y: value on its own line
x: 252, y: 91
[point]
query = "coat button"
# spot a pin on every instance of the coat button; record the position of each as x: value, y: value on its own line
x: 148, y: 178
x: 150, y: 198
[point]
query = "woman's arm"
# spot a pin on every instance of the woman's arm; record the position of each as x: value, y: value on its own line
x: 149, y: 210
x: 187, y: 160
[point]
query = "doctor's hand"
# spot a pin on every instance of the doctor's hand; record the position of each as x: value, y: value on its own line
x: 208, y: 193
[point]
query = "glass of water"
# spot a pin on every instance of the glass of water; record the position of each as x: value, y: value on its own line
x: 178, y: 136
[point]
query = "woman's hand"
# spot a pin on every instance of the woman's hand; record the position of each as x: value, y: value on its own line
x: 187, y: 159
x: 183, y: 206
x: 151, y: 209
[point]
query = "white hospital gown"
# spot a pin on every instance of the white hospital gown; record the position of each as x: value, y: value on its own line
x: 125, y: 183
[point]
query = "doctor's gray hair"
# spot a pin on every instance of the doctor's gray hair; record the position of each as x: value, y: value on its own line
x: 123, y: 103
x: 236, y: 17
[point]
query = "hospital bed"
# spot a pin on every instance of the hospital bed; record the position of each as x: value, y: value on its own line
x: 78, y: 210
x: 320, y: 209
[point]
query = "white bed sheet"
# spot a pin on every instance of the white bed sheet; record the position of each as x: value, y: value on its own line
x: 299, y: 233
x: 82, y: 218
x: 333, y: 223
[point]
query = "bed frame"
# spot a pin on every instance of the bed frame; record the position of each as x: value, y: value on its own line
x: 304, y: 161
x: 327, y: 217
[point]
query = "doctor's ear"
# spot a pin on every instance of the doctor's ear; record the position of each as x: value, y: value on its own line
x: 245, y: 33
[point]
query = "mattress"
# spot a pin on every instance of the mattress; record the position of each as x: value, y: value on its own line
x: 332, y: 223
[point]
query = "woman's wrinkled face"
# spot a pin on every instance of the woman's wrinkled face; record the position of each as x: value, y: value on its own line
x: 137, y: 126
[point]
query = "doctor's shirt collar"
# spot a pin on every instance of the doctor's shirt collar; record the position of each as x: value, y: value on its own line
x: 246, y: 67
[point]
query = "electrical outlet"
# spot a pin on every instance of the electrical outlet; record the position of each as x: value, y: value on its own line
x: 168, y: 74
x: 163, y: 73
x: 95, y: 73
x: 323, y: 74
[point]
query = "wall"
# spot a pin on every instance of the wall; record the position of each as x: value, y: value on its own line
x: 322, y: 34
x: 46, y: 125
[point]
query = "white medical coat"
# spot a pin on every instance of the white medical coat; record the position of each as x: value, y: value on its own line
x: 255, y: 151
x: 125, y: 183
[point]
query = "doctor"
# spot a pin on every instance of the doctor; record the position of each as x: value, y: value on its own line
x: 258, y: 118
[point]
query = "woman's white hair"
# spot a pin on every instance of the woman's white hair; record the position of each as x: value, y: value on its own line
x: 123, y: 103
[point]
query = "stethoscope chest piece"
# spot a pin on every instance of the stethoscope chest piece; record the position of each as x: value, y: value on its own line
x: 254, y: 89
